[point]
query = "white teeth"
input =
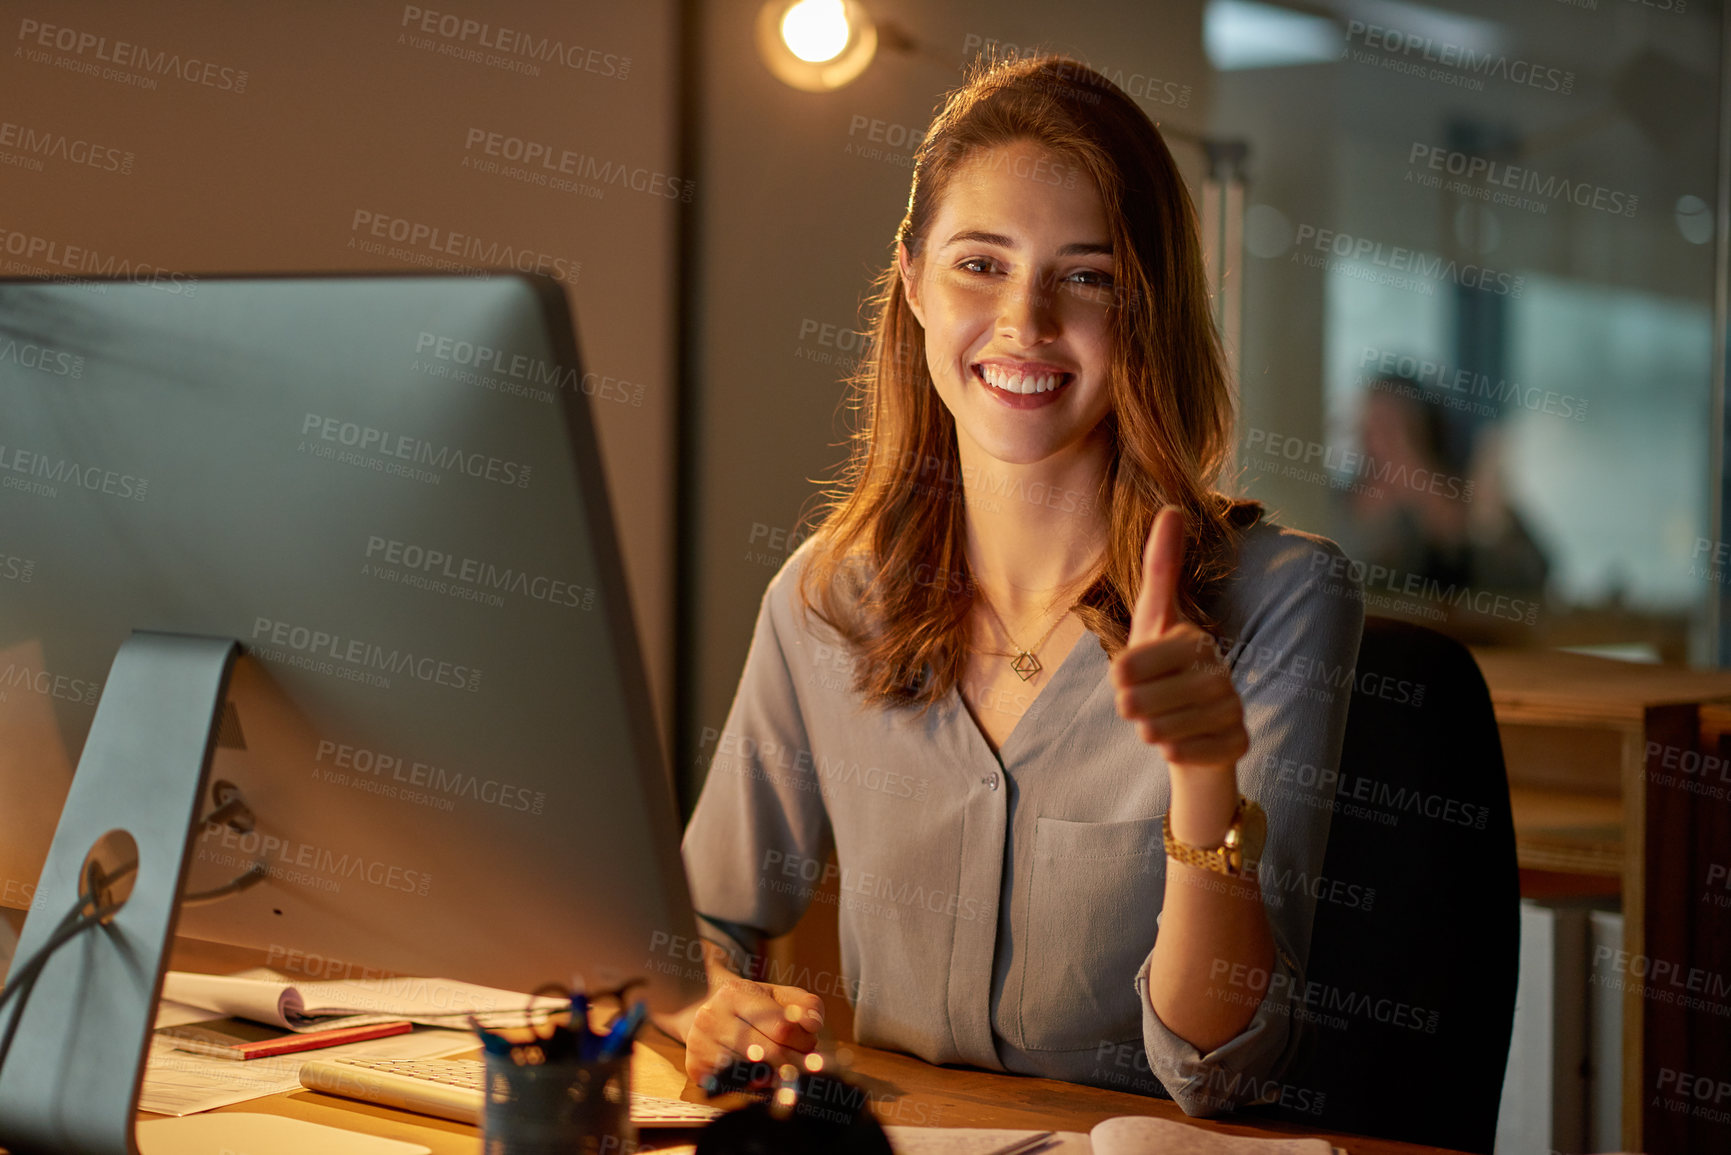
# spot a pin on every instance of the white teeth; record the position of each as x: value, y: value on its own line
x: 997, y: 378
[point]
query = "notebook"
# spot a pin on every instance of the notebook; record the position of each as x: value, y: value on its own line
x: 267, y: 997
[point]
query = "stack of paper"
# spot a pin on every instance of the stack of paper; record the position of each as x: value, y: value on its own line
x: 180, y: 1083
x: 267, y: 997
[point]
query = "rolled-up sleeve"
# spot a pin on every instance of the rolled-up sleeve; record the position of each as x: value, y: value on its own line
x: 1292, y: 653
x: 760, y: 817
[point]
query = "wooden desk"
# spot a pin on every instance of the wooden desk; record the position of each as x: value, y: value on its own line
x: 1606, y: 763
x: 903, y: 1091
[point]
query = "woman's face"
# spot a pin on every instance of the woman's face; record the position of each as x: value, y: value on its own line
x: 1014, y: 291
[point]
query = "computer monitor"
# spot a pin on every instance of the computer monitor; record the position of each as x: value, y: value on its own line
x: 388, y: 489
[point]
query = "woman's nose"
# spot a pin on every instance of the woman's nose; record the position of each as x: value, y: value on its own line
x: 1026, y: 311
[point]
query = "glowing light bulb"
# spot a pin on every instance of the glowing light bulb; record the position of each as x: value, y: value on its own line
x: 816, y: 30
x: 816, y: 45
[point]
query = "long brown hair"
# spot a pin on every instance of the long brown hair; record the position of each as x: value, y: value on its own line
x: 888, y: 565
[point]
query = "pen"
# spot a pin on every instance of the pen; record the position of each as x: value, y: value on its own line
x: 619, y: 1038
x: 289, y: 1044
x: 1026, y: 1146
x: 494, y: 1044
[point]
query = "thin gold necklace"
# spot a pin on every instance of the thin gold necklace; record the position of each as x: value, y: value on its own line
x: 1023, y: 659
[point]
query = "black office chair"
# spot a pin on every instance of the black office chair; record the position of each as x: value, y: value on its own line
x: 1437, y: 952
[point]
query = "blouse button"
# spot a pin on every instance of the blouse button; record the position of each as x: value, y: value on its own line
x: 991, y: 780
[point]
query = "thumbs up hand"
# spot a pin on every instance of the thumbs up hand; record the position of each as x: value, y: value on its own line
x: 1170, y: 678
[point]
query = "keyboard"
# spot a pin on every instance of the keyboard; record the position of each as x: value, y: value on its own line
x: 454, y: 1089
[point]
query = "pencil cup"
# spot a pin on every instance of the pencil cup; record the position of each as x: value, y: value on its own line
x: 564, y: 1108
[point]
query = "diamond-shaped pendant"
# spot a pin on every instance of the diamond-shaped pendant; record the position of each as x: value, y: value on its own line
x: 1026, y: 665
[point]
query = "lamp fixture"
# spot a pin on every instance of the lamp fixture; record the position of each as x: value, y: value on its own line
x: 816, y: 45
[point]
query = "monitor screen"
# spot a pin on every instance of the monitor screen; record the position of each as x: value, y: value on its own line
x: 388, y: 489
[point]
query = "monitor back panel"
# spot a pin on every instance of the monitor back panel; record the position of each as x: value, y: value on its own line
x: 388, y: 489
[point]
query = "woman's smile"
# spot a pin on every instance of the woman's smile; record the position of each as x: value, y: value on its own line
x: 1022, y: 384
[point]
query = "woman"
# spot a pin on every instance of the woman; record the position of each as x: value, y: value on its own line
x: 989, y: 674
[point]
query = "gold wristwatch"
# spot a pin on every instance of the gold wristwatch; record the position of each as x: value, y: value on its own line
x: 1238, y: 851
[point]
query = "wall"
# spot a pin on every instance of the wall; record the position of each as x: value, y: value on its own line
x: 214, y: 137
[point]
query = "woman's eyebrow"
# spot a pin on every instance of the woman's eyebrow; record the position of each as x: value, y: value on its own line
x: 1073, y: 249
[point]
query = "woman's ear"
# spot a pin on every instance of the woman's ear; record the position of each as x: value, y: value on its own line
x: 910, y: 282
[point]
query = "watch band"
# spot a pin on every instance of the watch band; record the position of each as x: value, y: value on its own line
x: 1227, y: 858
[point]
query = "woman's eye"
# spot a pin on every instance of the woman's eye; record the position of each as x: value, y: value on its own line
x: 1092, y: 277
x: 977, y: 265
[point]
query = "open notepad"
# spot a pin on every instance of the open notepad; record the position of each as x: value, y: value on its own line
x: 1125, y: 1135
x: 267, y: 997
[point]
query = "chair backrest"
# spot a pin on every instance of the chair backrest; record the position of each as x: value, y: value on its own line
x: 1411, y: 990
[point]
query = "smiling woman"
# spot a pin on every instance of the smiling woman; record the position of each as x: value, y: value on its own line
x: 1045, y: 414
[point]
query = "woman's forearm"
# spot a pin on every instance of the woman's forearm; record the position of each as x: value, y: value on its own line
x: 1214, y: 952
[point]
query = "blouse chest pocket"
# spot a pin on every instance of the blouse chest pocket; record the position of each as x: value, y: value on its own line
x: 1093, y: 899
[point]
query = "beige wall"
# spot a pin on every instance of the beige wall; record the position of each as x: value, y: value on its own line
x: 352, y: 108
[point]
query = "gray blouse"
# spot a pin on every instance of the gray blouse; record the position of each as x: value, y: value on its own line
x: 1000, y: 910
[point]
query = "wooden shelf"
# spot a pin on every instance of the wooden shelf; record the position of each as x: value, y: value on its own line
x: 1584, y: 740
x: 1568, y: 833
x: 1550, y: 688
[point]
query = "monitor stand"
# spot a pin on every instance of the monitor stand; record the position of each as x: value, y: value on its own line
x: 70, y: 1080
